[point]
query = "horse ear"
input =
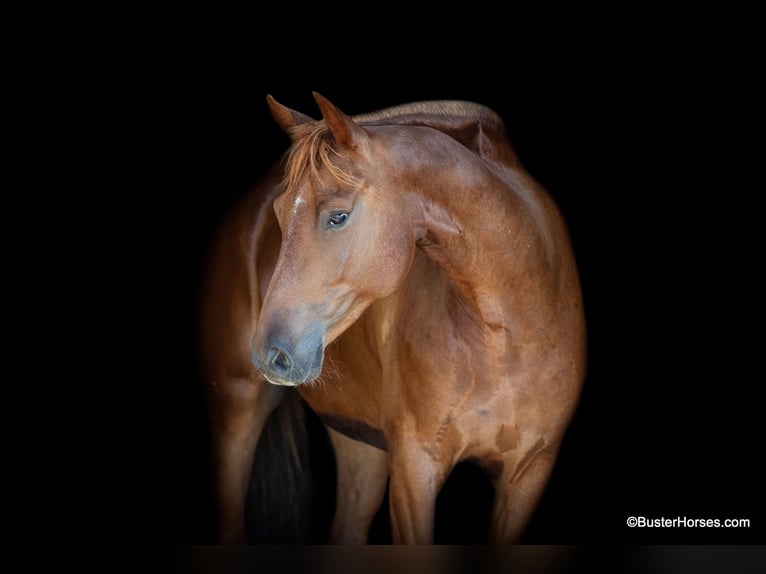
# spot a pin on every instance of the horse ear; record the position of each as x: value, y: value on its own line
x: 345, y: 131
x: 284, y: 116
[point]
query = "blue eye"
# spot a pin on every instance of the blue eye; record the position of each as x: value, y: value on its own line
x: 337, y: 218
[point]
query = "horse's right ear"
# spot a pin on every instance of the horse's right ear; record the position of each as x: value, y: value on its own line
x: 284, y: 116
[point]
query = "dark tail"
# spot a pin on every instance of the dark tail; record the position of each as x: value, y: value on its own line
x: 287, y: 502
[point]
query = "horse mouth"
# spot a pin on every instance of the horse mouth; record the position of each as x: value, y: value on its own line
x: 280, y: 382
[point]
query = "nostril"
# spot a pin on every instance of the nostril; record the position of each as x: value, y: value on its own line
x: 279, y: 361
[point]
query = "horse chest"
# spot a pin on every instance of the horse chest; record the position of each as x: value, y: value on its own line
x: 435, y: 402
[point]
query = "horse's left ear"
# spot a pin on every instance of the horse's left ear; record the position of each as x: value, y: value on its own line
x: 345, y: 131
x: 284, y: 116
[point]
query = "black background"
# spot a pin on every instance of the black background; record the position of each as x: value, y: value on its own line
x: 636, y: 131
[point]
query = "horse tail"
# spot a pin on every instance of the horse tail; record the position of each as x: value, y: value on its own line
x: 280, y: 500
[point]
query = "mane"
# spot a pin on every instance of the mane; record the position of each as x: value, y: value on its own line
x: 405, y: 113
x: 475, y: 126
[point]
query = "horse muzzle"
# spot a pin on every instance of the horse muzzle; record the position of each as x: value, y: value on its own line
x: 282, y: 363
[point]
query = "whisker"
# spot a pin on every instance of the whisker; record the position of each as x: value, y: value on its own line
x: 332, y: 374
x: 255, y: 374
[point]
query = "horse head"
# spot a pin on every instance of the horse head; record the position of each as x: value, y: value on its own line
x: 348, y: 238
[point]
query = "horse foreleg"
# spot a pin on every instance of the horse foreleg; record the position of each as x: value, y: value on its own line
x: 517, y: 493
x: 240, y: 408
x: 362, y: 479
x: 416, y: 478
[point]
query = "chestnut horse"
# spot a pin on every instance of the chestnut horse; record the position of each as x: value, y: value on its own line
x: 409, y: 253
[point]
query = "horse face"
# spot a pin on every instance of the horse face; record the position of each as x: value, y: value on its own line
x: 343, y: 246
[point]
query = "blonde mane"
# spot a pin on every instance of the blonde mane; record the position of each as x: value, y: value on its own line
x: 430, y: 109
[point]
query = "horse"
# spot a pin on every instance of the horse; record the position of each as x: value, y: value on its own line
x: 405, y: 275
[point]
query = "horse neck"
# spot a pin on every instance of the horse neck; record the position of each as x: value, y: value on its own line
x: 480, y: 222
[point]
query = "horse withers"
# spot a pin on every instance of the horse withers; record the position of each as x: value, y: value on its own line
x: 404, y: 274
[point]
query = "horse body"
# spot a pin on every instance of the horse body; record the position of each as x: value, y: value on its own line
x: 431, y: 282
